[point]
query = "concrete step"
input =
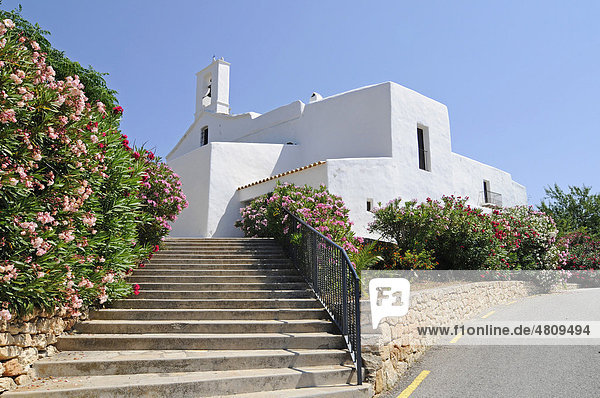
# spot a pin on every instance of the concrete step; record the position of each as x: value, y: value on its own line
x: 189, y: 384
x: 217, y: 303
x: 206, y: 314
x: 221, y: 245
x: 334, y: 391
x: 98, y: 363
x: 223, y: 255
x: 220, y: 250
x: 174, y: 341
x: 227, y: 261
x: 223, y: 267
x: 226, y: 294
x: 257, y: 241
x: 227, y: 240
x: 223, y: 286
x: 216, y: 279
x: 148, y: 271
x: 214, y: 326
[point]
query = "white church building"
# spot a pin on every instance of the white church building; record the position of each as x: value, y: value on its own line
x: 367, y: 145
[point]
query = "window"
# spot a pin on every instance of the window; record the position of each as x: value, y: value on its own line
x: 369, y: 204
x: 204, y: 136
x: 423, y: 143
x: 486, y: 191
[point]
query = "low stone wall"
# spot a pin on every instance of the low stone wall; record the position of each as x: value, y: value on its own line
x: 26, y: 340
x: 387, y: 352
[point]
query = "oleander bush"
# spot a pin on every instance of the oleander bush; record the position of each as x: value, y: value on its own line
x: 162, y: 199
x: 95, y: 87
x: 74, y: 211
x: 320, y: 209
x: 583, y: 252
x: 456, y: 236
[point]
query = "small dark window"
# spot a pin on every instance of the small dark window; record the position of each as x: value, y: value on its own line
x: 423, y: 149
x: 369, y: 204
x: 204, y: 136
x: 486, y: 191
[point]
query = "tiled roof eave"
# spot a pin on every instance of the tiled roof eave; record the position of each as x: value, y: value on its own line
x: 283, y: 174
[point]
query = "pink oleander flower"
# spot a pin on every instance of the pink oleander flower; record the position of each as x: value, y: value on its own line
x: 8, y: 23
x: 45, y: 218
x: 5, y: 314
x: 8, y: 115
x: 108, y: 278
x: 89, y: 219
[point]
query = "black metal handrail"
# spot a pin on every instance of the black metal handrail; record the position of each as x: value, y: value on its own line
x: 329, y: 272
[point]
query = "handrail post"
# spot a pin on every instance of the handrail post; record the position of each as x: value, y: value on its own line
x: 315, y: 265
x: 358, y: 350
x: 345, y: 298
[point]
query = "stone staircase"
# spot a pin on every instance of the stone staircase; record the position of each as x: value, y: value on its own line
x: 214, y: 317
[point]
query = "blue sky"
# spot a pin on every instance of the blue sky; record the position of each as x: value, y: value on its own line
x: 520, y: 78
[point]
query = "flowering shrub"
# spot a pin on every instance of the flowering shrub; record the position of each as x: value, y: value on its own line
x: 408, y: 260
x: 95, y: 85
x: 583, y: 252
x: 162, y: 198
x: 461, y: 237
x: 320, y: 209
x: 580, y: 258
x: 70, y: 200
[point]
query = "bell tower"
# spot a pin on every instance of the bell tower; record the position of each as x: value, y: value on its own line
x: 212, y: 88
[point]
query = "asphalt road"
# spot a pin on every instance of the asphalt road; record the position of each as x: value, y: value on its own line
x: 507, y: 370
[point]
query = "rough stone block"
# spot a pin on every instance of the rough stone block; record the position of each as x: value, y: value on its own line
x: 51, y: 338
x: 6, y: 339
x: 39, y: 341
x: 378, y: 381
x: 390, y: 377
x: 43, y: 325
x: 51, y: 350
x: 9, y: 352
x: 28, y: 356
x: 22, y: 380
x: 7, y: 384
x: 57, y: 325
x: 13, y: 368
x: 371, y: 361
x: 69, y: 323
x: 23, y: 340
x: 22, y: 327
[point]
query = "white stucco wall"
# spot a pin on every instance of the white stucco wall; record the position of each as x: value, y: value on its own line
x: 468, y: 176
x: 193, y: 170
x: 211, y: 176
x: 367, y: 136
x: 353, y: 124
x: 410, y: 110
x: 314, y: 177
x: 357, y: 180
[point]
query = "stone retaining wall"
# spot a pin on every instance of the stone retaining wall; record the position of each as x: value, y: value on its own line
x: 25, y: 340
x: 387, y: 353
